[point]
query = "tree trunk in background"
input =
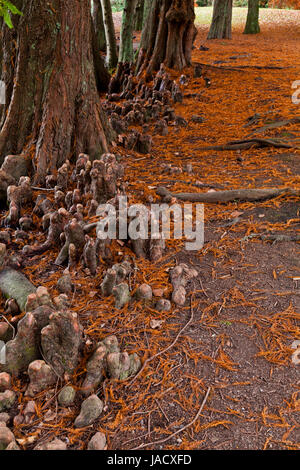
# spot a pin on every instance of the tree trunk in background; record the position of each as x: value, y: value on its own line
x: 147, y: 7
x: 126, y: 46
x: 101, y: 73
x: 99, y: 25
x: 222, y: 18
x: 111, y: 43
x: 252, y: 24
x: 168, y: 36
x: 139, y: 15
x: 9, y: 52
x: 54, y: 111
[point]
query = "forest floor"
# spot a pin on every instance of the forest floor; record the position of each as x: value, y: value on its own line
x: 231, y: 368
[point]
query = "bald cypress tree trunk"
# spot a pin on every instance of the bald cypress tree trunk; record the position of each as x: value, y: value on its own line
x: 168, y: 36
x: 54, y: 111
x: 99, y: 25
x: 126, y: 46
x: 139, y: 15
x: 252, y: 24
x: 111, y: 43
x: 221, y: 22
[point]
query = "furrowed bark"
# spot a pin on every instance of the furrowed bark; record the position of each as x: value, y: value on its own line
x: 252, y: 23
x: 221, y: 22
x: 112, y: 55
x: 168, y: 36
x: 126, y: 46
x: 139, y: 15
x: 54, y: 99
x: 99, y: 25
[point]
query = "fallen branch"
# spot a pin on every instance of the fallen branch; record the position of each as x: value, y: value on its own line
x: 160, y: 441
x: 228, y: 196
x: 275, y: 125
x: 272, y: 237
x: 246, y: 144
x: 241, y: 68
x: 150, y: 359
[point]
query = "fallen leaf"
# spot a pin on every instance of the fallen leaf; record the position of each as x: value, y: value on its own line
x: 156, y: 324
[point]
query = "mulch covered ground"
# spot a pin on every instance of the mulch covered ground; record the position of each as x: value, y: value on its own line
x: 228, y: 381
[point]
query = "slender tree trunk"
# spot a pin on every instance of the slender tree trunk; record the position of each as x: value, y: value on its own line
x: 252, y: 24
x: 9, y: 53
x: 54, y: 111
x: 139, y: 15
x: 112, y: 54
x: 168, y: 35
x: 99, y: 25
x: 147, y: 8
x: 126, y: 46
x: 222, y: 18
x: 98, y: 34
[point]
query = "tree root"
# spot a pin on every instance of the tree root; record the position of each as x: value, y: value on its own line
x: 251, y: 143
x: 228, y: 196
x: 273, y: 237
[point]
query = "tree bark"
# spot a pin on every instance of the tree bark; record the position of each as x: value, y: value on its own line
x: 168, y: 36
x: 99, y: 25
x: 221, y: 22
x: 112, y: 54
x: 252, y: 23
x: 139, y: 15
x: 126, y: 46
x: 54, y: 111
x: 99, y: 45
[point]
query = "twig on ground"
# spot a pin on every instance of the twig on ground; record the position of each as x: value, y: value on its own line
x: 150, y: 359
x: 160, y: 441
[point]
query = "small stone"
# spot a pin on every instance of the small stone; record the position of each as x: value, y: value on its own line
x: 65, y: 284
x: 67, y: 396
x: 144, y: 291
x: 163, y: 305
x: 4, y: 418
x: 41, y: 377
x: 7, y: 400
x: 5, y: 381
x: 98, y: 442
x: 56, y: 444
x: 91, y: 409
x: 6, y: 437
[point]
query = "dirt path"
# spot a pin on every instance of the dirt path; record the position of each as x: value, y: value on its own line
x: 246, y: 307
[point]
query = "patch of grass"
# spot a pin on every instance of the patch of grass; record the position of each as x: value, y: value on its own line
x: 239, y: 16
